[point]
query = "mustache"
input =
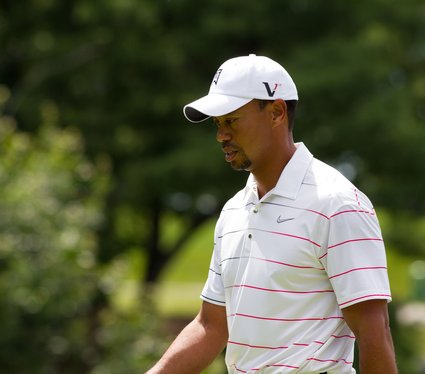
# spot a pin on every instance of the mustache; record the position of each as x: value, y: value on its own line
x: 229, y: 145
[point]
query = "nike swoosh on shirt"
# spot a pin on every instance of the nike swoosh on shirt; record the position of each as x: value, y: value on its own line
x: 281, y: 220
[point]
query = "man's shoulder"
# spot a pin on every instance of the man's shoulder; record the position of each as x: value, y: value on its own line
x: 333, y: 188
x: 325, y: 176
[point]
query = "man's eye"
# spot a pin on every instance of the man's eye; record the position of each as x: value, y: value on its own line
x: 226, y: 122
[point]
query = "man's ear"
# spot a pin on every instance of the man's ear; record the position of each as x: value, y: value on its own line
x: 279, y: 112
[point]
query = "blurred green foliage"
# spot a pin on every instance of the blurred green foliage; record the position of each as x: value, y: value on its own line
x: 51, y: 202
x: 122, y: 70
x: 102, y: 182
x: 54, y: 311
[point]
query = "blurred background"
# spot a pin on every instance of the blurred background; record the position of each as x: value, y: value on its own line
x: 108, y: 197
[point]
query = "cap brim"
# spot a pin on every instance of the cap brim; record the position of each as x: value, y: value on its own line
x: 213, y: 105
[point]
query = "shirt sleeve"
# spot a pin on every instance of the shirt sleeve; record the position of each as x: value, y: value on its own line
x: 213, y: 291
x: 356, y: 260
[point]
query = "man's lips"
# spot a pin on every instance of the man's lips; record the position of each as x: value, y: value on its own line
x: 229, y: 156
x: 230, y: 153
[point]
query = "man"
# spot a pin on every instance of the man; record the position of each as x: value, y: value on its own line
x: 298, y: 271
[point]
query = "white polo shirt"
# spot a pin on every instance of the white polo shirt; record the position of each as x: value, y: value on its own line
x: 284, y: 267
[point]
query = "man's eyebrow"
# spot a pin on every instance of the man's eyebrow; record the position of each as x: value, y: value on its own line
x: 232, y: 115
x: 219, y: 118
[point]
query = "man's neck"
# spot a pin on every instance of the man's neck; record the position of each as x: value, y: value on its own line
x: 268, y: 177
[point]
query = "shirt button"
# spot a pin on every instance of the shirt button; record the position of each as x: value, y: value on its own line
x: 250, y: 236
x: 255, y: 210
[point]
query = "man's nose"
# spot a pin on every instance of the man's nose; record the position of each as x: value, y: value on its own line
x: 223, y: 134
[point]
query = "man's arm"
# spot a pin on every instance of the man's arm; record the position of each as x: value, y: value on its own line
x: 370, y: 324
x: 197, y: 345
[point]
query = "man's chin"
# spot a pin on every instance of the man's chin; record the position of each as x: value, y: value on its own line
x: 245, y: 166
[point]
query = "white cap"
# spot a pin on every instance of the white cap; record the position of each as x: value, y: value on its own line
x: 237, y: 82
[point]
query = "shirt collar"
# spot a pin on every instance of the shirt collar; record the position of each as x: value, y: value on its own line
x: 290, y: 181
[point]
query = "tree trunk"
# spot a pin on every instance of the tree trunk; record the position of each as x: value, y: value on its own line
x: 156, y: 258
x: 159, y: 257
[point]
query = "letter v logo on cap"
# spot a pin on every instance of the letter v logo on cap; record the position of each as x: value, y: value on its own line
x: 269, y: 90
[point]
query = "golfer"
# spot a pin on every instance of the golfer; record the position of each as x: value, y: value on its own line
x: 298, y: 272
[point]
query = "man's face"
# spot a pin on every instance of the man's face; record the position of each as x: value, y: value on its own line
x: 244, y: 136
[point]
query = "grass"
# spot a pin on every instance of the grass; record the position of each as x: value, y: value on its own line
x: 398, y: 271
x: 177, y: 299
x: 192, y: 263
x: 179, y: 289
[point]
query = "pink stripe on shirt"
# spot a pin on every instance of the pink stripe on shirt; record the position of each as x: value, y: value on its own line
x: 371, y: 212
x: 377, y: 295
x: 284, y: 319
x: 273, y: 290
x: 286, y: 264
x: 355, y: 240
x: 255, y: 346
x: 358, y: 269
x: 295, y: 237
